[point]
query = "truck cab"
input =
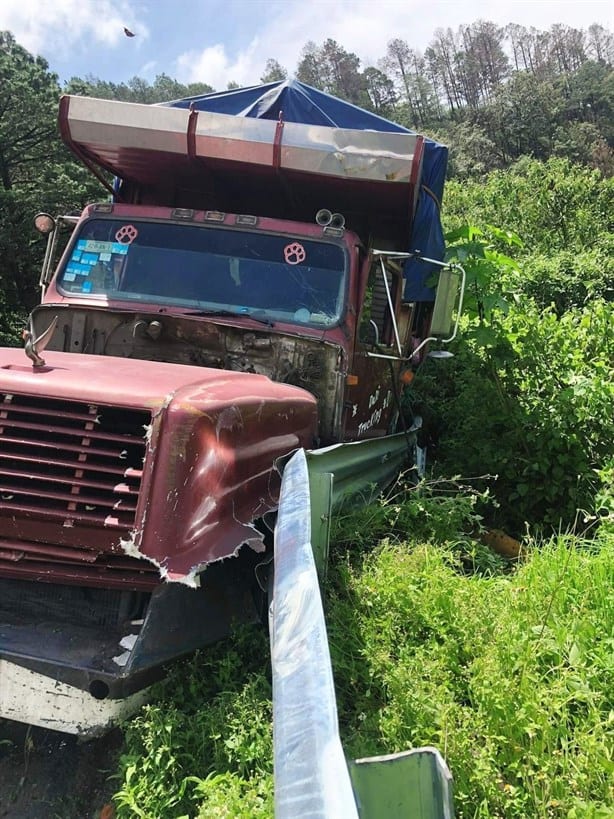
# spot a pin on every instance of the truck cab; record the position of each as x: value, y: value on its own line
x: 239, y: 293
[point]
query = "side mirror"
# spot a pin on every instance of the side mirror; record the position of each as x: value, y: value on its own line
x: 446, y: 297
x: 448, y: 300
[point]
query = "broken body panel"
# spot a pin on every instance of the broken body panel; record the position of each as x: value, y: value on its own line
x: 190, y: 350
x: 198, y: 445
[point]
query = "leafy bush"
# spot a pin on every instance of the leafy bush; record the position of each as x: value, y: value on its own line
x: 437, y: 510
x: 566, y: 280
x: 530, y: 395
x: 509, y: 676
x: 604, y: 498
x: 204, y: 746
x: 12, y: 324
x: 552, y: 205
x: 537, y: 410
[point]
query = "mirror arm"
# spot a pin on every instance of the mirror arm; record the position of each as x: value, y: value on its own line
x: 376, y: 329
x: 44, y: 277
x: 391, y: 307
x: 52, y: 243
x: 425, y: 341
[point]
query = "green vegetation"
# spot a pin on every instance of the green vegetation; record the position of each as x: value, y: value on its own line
x: 510, y: 675
x: 507, y: 670
x: 203, y: 748
x: 529, y: 396
x: 537, y: 411
x: 507, y: 666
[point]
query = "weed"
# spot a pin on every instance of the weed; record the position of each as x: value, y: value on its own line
x: 206, y: 741
x: 511, y: 676
x: 437, y: 509
x: 536, y: 408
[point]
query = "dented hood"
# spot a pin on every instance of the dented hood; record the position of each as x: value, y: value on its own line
x: 203, y: 444
x: 115, y: 381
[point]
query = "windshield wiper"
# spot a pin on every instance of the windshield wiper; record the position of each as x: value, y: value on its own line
x: 231, y: 314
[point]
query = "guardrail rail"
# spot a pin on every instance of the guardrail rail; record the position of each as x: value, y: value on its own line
x: 312, y: 776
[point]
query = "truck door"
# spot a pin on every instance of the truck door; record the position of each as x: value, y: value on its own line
x: 370, y: 405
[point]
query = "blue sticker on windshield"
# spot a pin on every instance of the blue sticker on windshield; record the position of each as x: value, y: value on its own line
x: 77, y: 267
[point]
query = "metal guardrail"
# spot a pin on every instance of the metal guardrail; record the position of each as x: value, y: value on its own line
x: 343, y: 471
x: 312, y: 776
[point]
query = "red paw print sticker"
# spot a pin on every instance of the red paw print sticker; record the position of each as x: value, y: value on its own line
x: 126, y: 234
x: 294, y: 253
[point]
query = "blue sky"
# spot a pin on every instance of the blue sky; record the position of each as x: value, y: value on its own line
x: 217, y: 41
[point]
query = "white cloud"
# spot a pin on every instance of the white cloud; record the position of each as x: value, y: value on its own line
x: 213, y: 65
x: 60, y: 26
x: 282, y: 36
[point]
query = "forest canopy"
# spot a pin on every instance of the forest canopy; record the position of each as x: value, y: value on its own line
x: 493, y: 94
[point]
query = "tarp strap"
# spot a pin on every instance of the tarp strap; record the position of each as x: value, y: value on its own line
x: 430, y: 193
x: 191, y: 133
x: 279, y: 130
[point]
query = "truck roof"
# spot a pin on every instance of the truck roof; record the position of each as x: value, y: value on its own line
x: 249, y: 164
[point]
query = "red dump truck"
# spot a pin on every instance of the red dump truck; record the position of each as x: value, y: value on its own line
x: 243, y: 293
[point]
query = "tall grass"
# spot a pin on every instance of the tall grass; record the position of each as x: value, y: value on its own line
x: 511, y: 676
x: 509, y: 671
x: 203, y: 748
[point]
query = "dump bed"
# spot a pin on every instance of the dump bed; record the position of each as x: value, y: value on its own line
x: 193, y: 158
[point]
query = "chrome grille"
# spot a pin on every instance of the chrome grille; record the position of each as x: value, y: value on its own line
x: 70, y: 462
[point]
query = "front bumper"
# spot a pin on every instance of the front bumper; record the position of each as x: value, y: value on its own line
x: 85, y: 675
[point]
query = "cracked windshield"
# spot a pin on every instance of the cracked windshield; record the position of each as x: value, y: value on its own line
x: 269, y: 276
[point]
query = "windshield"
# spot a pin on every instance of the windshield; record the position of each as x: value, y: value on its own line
x: 208, y: 268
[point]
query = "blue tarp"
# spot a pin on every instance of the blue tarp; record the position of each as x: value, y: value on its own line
x: 303, y: 104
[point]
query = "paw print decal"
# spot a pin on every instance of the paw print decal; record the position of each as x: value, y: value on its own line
x: 126, y: 234
x: 294, y: 253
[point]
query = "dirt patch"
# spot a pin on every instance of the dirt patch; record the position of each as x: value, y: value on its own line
x: 49, y: 775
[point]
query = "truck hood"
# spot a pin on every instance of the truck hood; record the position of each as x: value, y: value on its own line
x: 114, y: 381
x: 203, y: 444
